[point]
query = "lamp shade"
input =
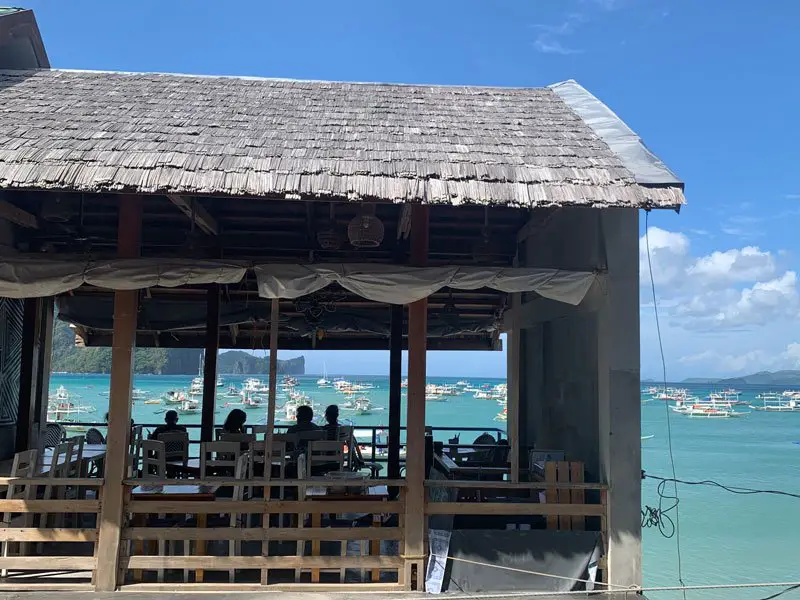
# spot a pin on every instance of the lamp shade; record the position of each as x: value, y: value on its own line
x: 365, y: 230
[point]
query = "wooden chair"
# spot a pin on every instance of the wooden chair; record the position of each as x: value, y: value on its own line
x: 218, y: 457
x: 153, y: 459
x: 241, y: 471
x: 257, y: 430
x: 24, y: 466
x: 176, y: 445
x: 243, y: 438
x: 135, y: 450
x: 324, y: 452
x: 59, y: 468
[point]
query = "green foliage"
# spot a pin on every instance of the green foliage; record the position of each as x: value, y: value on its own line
x: 158, y: 361
x: 237, y: 362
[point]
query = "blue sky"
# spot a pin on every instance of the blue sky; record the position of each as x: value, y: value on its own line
x: 712, y: 86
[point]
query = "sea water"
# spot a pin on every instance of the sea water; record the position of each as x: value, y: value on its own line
x: 724, y: 538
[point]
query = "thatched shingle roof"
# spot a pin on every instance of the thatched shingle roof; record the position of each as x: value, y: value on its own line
x: 154, y: 133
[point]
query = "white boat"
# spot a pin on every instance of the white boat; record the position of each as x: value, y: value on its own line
x: 174, y: 397
x: 251, y: 384
x: 220, y: 381
x: 189, y: 406
x: 362, y: 406
x: 61, y: 408
x: 323, y: 381
x: 502, y: 415
x: 777, y: 405
x: 463, y: 383
x: 707, y: 410
x: 196, y: 388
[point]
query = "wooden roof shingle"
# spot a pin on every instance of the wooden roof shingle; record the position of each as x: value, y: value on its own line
x: 236, y: 136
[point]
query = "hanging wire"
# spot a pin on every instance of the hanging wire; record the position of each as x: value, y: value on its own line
x: 674, y: 498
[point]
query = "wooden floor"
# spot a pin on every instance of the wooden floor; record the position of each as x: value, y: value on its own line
x: 302, y: 595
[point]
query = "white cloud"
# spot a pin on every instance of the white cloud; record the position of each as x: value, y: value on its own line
x: 751, y: 361
x: 669, y: 253
x: 724, y: 290
x: 747, y: 362
x: 548, y: 44
x: 732, y: 266
x: 550, y: 39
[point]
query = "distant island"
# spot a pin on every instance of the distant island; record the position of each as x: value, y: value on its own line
x: 68, y: 358
x: 783, y: 378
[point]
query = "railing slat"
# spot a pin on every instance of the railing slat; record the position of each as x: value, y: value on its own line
x: 260, y: 534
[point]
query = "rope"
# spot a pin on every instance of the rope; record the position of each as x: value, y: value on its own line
x: 623, y: 588
x: 789, y: 585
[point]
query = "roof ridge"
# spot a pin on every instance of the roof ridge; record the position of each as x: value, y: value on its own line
x: 283, y: 79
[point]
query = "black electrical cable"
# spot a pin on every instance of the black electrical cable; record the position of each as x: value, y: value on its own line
x: 676, y: 524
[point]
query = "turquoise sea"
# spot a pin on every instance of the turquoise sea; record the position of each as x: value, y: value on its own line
x: 725, y: 538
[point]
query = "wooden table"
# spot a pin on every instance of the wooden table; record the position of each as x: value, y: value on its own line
x: 91, y: 453
x: 373, y: 492
x: 176, y: 493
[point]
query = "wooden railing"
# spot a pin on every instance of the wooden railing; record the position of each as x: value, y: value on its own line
x: 563, y: 501
x: 150, y: 551
x: 47, y: 516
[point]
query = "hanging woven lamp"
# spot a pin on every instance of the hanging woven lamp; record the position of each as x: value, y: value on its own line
x: 365, y: 230
x: 329, y: 238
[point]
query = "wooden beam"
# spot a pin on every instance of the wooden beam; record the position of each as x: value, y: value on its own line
x: 192, y: 208
x: 29, y: 366
x: 274, y: 323
x: 415, y: 419
x: 126, y: 305
x: 11, y: 213
x: 395, y: 392
x: 273, y: 375
x: 42, y: 382
x: 210, y: 364
x: 513, y: 372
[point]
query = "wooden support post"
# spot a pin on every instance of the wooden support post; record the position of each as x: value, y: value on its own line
x: 273, y: 379
x: 415, y: 420
x: 273, y: 392
x: 395, y: 381
x: 44, y: 352
x: 29, y: 365
x: 126, y: 304
x: 210, y: 365
x: 513, y: 335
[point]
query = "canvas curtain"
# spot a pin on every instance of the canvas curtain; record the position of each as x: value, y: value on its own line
x: 25, y: 276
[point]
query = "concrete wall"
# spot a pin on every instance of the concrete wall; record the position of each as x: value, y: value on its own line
x: 580, y: 367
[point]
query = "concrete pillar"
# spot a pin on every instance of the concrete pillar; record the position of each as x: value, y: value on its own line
x: 581, y: 389
x: 619, y: 402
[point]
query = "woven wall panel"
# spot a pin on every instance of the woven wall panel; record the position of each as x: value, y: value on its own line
x: 10, y: 357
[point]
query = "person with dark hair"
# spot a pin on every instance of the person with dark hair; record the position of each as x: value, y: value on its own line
x: 305, y: 420
x: 170, y: 425
x: 234, y: 422
x: 331, y: 426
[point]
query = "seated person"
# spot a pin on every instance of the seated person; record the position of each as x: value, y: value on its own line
x: 170, y: 425
x: 331, y: 427
x: 305, y: 423
x: 234, y: 422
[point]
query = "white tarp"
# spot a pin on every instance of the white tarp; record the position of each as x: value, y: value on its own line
x: 395, y: 284
x: 26, y: 276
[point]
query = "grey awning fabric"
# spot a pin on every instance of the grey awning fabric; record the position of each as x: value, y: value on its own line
x: 28, y: 276
x: 402, y: 285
